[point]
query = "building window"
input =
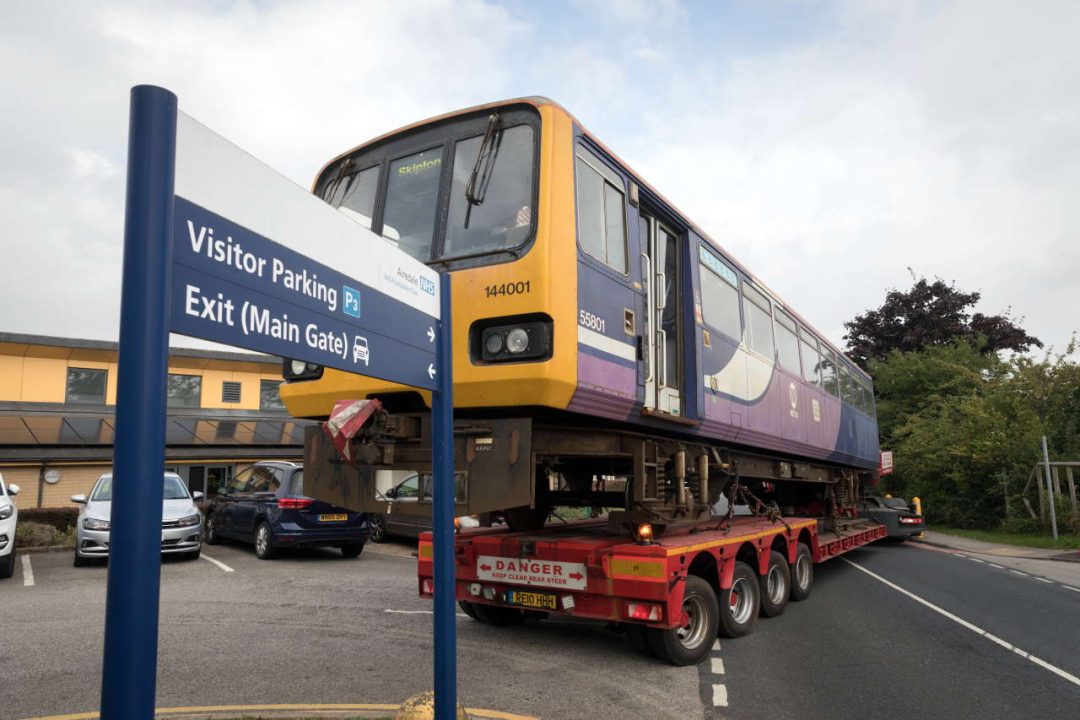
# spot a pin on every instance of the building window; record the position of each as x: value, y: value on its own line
x: 269, y: 395
x: 601, y: 212
x: 230, y: 392
x: 86, y: 387
x: 183, y: 390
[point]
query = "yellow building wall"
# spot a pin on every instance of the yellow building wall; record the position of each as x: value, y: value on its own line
x: 11, y: 378
x: 43, y: 380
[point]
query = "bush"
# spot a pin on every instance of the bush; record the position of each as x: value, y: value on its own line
x: 1021, y: 525
x: 36, y: 534
x: 62, y: 519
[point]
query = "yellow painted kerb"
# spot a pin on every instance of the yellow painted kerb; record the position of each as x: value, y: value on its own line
x: 160, y: 712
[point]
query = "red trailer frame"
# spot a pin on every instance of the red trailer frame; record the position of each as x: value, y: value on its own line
x: 580, y: 569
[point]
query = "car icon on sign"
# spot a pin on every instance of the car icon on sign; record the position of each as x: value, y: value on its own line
x: 360, y: 350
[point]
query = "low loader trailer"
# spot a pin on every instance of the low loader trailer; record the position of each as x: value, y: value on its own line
x: 672, y: 595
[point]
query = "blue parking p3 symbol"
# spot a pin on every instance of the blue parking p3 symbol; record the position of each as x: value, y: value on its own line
x: 350, y: 304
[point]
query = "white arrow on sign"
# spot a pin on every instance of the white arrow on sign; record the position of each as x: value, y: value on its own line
x: 431, y: 334
x: 431, y: 371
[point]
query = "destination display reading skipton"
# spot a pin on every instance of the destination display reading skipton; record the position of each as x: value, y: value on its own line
x: 239, y: 279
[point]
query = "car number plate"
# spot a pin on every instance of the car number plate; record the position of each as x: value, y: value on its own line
x: 524, y: 598
x: 334, y: 517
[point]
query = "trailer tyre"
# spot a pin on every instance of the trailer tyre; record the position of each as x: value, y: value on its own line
x: 691, y: 643
x: 802, y: 573
x: 739, y: 603
x: 775, y: 586
x: 469, y: 609
x: 638, y: 636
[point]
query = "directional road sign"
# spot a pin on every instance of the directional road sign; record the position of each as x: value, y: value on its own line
x: 261, y: 264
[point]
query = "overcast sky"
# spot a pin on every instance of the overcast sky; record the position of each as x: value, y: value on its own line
x: 828, y: 146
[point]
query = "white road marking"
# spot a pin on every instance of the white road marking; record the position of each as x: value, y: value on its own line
x: 717, y: 666
x: 1017, y: 572
x: 719, y: 695
x: 1070, y: 587
x: 1043, y: 579
x: 716, y: 646
x: 975, y: 559
x: 27, y: 572
x: 420, y: 612
x: 958, y: 555
x: 974, y: 628
x: 220, y: 564
x: 995, y: 565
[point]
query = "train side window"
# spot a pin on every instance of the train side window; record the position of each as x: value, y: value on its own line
x: 829, y: 380
x: 601, y: 211
x: 811, y: 358
x: 787, y: 343
x: 758, y: 322
x: 849, y: 391
x: 719, y: 295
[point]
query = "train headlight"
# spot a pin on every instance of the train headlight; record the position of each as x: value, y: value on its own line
x: 294, y: 370
x: 517, y: 341
x: 511, y: 339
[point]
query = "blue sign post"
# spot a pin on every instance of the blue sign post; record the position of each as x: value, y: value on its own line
x: 212, y: 249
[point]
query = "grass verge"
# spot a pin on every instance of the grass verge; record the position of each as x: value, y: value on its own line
x: 1064, y: 542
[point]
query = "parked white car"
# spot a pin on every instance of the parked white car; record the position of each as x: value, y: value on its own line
x: 9, y: 516
x: 181, y: 521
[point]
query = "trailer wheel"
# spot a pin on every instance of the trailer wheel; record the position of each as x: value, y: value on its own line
x: 802, y: 573
x: 638, y: 636
x: 775, y: 586
x: 469, y: 609
x: 739, y: 603
x: 691, y: 643
x: 498, y: 616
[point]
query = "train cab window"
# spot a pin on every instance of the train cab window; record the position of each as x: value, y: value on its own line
x: 787, y: 343
x: 491, y: 196
x: 601, y: 211
x: 829, y: 379
x: 811, y: 359
x: 355, y: 195
x: 758, y: 310
x: 411, y: 198
x: 719, y: 295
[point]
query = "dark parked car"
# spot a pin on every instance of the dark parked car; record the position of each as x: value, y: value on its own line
x: 398, y: 521
x: 265, y: 504
x: 895, y: 514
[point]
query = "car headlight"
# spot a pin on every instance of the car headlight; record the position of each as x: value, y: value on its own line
x: 188, y: 520
x: 95, y: 524
x: 6, y: 512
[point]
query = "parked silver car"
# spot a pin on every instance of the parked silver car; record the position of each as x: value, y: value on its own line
x: 9, y: 516
x: 181, y: 521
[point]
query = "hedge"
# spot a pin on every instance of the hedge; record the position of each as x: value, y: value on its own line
x: 62, y: 519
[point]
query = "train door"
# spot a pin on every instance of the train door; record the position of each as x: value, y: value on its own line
x: 662, y: 327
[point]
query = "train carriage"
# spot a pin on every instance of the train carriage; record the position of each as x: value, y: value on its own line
x: 613, y: 353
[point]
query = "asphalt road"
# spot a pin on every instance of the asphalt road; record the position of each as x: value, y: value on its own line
x: 316, y: 628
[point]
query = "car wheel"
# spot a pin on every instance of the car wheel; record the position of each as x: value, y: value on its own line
x: 351, y: 551
x: 690, y: 643
x: 739, y: 604
x: 7, y: 565
x: 80, y: 561
x: 377, y: 528
x: 211, y: 530
x: 264, y: 544
x: 802, y: 573
x: 775, y: 586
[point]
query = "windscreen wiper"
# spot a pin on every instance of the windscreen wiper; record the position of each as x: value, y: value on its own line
x: 331, y: 187
x: 476, y: 188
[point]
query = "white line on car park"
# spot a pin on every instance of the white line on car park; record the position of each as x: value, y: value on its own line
x: 220, y: 564
x: 974, y: 559
x: 974, y: 628
x: 1044, y: 580
x: 995, y: 565
x: 719, y: 695
x: 1017, y: 572
x: 1070, y: 587
x: 27, y: 572
x: 420, y: 612
x: 717, y: 666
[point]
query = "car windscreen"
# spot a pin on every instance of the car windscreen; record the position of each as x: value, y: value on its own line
x: 174, y: 489
x: 103, y: 490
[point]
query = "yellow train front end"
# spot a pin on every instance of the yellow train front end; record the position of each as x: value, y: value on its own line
x: 485, y: 194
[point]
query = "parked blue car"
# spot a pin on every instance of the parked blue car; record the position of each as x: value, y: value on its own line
x: 265, y: 505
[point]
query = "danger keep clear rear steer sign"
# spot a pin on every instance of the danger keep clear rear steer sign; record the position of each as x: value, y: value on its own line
x: 523, y: 571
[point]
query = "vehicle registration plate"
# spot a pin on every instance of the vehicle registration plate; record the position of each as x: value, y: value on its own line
x: 334, y: 517
x: 524, y: 598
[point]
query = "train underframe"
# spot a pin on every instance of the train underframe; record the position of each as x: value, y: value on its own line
x: 522, y: 467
